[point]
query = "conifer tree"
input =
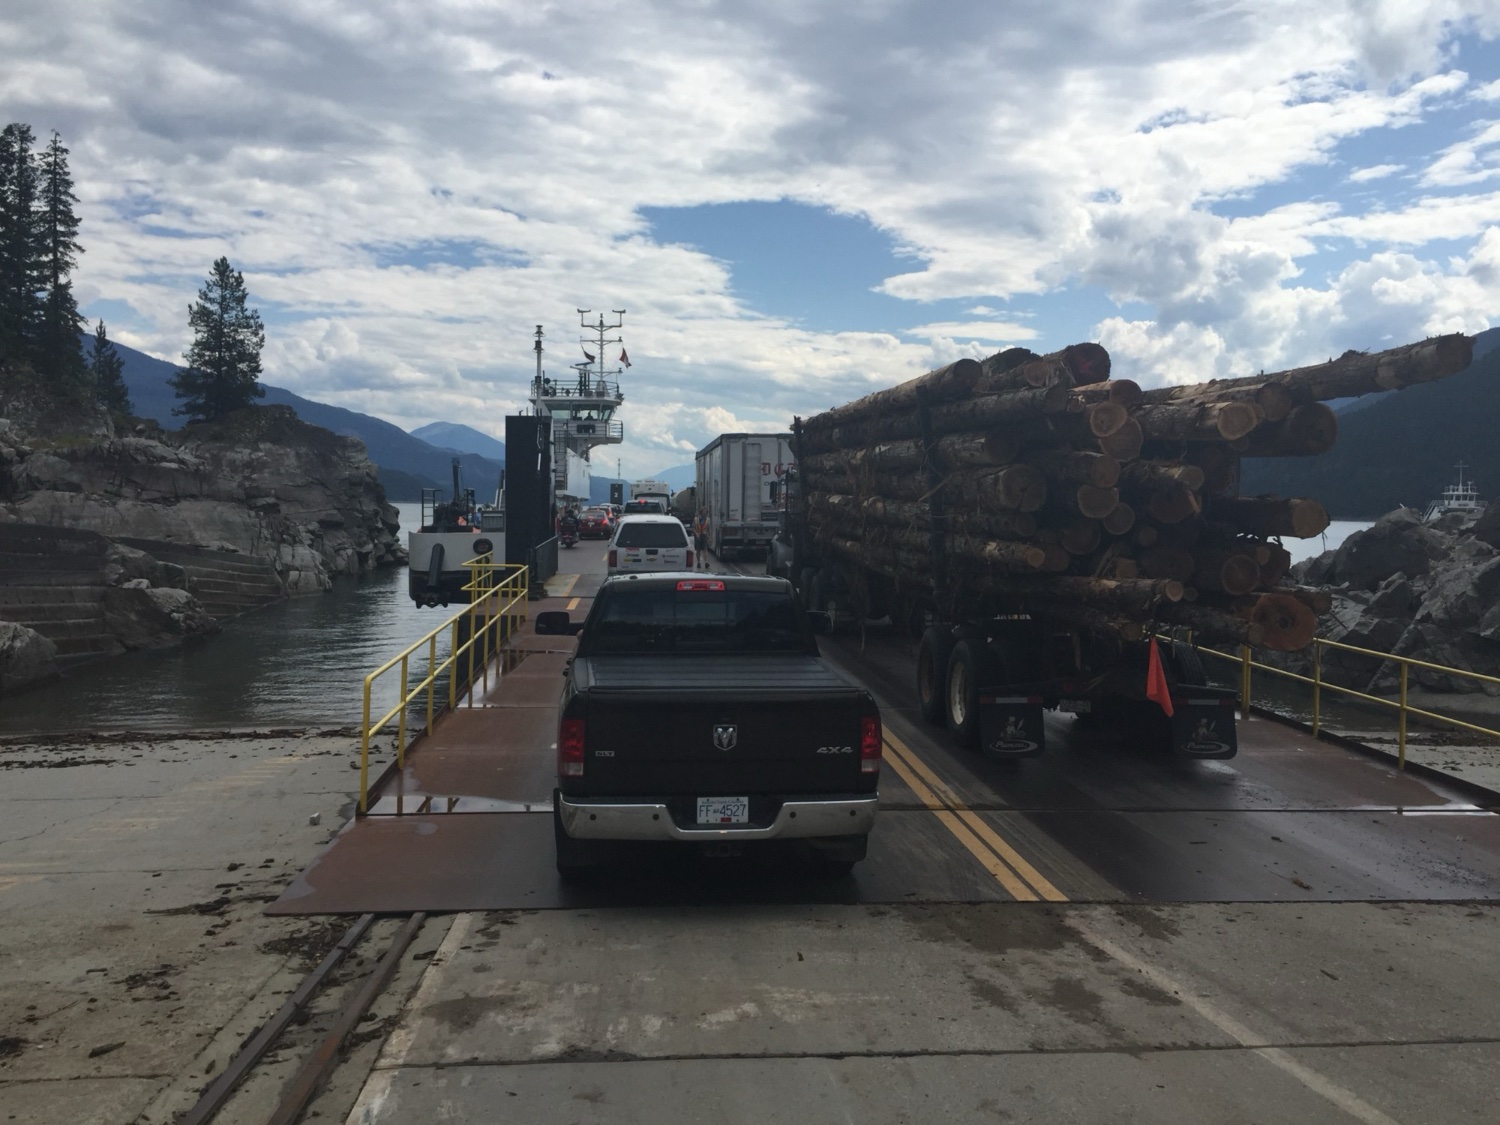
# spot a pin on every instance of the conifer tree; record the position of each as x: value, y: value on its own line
x: 20, y: 257
x: 109, y: 374
x: 223, y: 364
x: 58, y: 350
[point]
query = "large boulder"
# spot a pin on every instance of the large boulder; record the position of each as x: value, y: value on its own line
x: 25, y: 656
x: 1399, y: 541
x: 140, y: 616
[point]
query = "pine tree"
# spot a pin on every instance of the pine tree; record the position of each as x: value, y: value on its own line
x: 109, y: 374
x: 20, y: 251
x: 223, y: 365
x: 58, y: 350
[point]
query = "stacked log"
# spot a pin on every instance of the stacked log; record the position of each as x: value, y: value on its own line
x: 1038, y: 484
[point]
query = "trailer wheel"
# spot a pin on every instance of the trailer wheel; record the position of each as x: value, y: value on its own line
x: 1188, y: 665
x: 932, y: 674
x: 969, y: 666
x: 822, y: 584
x: 805, y: 587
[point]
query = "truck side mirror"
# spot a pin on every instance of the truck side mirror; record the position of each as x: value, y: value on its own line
x: 822, y: 623
x: 557, y: 623
x: 775, y: 491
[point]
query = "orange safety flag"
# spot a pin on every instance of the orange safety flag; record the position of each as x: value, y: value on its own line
x: 1156, y: 681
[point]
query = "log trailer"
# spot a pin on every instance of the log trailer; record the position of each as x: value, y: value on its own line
x: 1058, y: 539
x: 989, y: 665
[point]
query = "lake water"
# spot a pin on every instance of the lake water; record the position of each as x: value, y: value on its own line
x: 1330, y: 540
x: 286, y: 664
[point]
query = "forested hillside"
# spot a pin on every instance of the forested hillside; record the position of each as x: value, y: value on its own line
x: 1401, y: 449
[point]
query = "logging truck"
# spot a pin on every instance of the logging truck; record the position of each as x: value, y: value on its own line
x: 1054, y: 536
x: 990, y: 662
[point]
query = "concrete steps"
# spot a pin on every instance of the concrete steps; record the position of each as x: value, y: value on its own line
x: 227, y: 584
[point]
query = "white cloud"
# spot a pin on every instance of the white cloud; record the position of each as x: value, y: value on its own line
x: 1374, y: 172
x: 1082, y: 150
x: 991, y: 331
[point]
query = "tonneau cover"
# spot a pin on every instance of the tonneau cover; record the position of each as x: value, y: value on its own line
x: 787, y: 675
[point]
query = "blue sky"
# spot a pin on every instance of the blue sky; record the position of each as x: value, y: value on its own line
x: 796, y: 203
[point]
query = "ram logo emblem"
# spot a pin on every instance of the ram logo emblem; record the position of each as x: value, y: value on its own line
x: 726, y: 735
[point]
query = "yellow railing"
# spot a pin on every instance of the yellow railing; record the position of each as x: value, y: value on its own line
x: 474, y: 636
x: 1404, y: 710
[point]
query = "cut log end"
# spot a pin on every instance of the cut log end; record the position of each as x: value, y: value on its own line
x: 1286, y: 623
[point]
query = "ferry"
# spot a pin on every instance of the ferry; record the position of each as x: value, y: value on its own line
x: 582, y: 408
x: 1459, y: 497
x: 452, y: 532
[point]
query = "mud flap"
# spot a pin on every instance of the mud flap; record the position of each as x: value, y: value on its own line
x: 1203, y: 722
x: 1010, y: 726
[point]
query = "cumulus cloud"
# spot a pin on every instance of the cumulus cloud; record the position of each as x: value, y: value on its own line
x: 411, y: 188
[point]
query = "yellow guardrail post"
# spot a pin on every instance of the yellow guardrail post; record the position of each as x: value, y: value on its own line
x: 1317, y: 685
x: 401, y: 723
x: 364, y: 750
x: 431, y: 675
x: 1244, y: 681
x: 1401, y: 720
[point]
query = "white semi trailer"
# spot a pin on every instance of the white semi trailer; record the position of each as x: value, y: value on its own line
x: 735, y: 475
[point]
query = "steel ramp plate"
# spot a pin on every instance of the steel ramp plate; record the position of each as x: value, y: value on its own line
x: 504, y: 861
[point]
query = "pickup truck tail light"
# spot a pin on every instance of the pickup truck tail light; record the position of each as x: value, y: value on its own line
x: 614, y: 557
x: 869, y: 744
x: 570, y: 748
x: 690, y: 557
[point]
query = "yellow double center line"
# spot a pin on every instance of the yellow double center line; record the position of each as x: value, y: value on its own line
x: 1021, y: 880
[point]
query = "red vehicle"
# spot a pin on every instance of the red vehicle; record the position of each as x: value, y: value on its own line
x: 595, y: 523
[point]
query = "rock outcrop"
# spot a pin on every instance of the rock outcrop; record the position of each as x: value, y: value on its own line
x: 194, y: 525
x: 259, y: 483
x: 1425, y: 590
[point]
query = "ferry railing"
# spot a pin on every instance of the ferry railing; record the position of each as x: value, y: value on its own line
x: 474, y: 636
x: 1401, y: 705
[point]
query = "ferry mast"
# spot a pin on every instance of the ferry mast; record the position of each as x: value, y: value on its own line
x: 583, y: 404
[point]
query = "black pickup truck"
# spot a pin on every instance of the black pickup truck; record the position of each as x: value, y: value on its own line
x: 698, y: 709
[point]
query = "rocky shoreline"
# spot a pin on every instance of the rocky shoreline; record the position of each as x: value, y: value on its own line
x: 120, y: 540
x: 1409, y: 588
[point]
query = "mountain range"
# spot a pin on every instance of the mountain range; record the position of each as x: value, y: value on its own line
x: 406, y: 462
x: 1400, y: 448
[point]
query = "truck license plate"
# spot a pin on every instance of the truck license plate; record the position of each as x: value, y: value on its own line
x: 723, y: 810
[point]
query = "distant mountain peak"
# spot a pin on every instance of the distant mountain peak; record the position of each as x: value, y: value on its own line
x: 461, y: 438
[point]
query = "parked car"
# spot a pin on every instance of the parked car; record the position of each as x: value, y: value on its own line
x: 650, y: 542
x: 595, y: 523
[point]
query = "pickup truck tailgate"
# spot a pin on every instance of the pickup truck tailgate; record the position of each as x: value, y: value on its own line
x: 721, y: 724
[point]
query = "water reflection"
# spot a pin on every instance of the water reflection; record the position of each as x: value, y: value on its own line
x: 291, y: 663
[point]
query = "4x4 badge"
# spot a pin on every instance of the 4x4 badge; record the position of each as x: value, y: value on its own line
x: 726, y: 735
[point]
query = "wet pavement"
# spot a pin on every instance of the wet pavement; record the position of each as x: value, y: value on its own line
x: 1298, y: 934
x: 1301, y: 933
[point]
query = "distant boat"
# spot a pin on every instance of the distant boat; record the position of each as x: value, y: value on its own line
x: 1459, y: 497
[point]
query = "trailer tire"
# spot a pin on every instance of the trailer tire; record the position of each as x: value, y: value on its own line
x: 822, y: 584
x: 932, y: 674
x: 1188, y: 665
x: 969, y: 666
x: 805, y: 587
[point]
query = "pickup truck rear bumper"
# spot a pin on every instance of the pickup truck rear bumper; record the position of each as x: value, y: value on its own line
x: 616, y: 820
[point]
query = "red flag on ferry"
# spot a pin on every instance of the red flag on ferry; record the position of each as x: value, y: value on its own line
x: 1156, y: 681
x: 625, y: 359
